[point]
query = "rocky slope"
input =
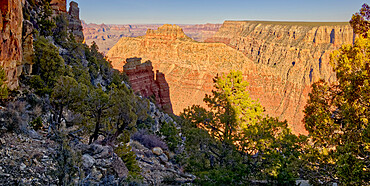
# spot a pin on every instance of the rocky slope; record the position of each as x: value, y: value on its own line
x: 106, y: 36
x: 279, y: 60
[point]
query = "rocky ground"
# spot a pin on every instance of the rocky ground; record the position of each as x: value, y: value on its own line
x: 36, y: 158
x: 34, y: 161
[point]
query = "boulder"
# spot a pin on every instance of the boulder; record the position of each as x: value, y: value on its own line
x: 119, y: 167
x: 87, y: 161
x: 157, y: 151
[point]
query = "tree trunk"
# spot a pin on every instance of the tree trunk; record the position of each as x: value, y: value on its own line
x: 95, y: 135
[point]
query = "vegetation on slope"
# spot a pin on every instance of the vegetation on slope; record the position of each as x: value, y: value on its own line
x: 74, y: 91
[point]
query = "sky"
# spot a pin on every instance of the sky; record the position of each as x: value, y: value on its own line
x: 214, y: 11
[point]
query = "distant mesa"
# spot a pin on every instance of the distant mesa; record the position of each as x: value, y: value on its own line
x: 106, y: 36
x: 142, y: 81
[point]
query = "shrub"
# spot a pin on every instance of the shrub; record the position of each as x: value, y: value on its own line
x: 14, y: 117
x: 148, y: 140
x: 171, y: 134
x: 129, y: 158
x: 3, y: 87
x: 48, y: 64
x: 36, y: 124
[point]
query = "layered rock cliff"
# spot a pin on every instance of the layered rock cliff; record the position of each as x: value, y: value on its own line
x: 16, y: 31
x: 141, y: 78
x: 11, y: 18
x: 59, y: 5
x: 106, y: 36
x: 279, y: 60
x: 298, y: 51
x: 75, y: 25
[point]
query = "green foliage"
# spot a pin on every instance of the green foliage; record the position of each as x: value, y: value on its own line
x: 36, y: 124
x: 360, y: 21
x: 145, y: 124
x: 129, y: 158
x: 337, y: 118
x: 39, y: 85
x: 3, y: 86
x: 273, y: 150
x: 232, y: 144
x: 122, y: 110
x: 171, y: 135
x: 67, y: 93
x: 97, y: 105
x: 45, y: 21
x: 67, y: 160
x: 230, y: 108
x: 97, y: 63
x: 60, y: 31
x: 48, y: 64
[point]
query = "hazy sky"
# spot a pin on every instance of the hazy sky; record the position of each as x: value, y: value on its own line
x: 214, y: 11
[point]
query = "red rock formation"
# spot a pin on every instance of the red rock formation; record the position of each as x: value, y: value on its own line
x: 75, y: 25
x: 59, y: 5
x: 141, y: 77
x: 106, y: 36
x: 11, y: 18
x: 287, y: 58
x: 299, y: 51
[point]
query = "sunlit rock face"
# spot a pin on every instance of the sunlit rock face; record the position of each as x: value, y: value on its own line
x: 279, y: 60
x: 298, y: 51
x: 106, y: 36
x: 11, y: 19
x: 59, y: 5
x: 142, y: 81
x: 75, y: 25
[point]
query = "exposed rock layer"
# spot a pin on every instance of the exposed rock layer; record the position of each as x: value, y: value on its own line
x: 286, y: 59
x: 75, y: 25
x: 141, y: 77
x: 106, y: 36
x: 298, y: 51
x: 11, y: 18
x: 59, y: 5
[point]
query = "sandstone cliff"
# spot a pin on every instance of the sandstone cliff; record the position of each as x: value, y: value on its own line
x: 141, y: 78
x: 279, y: 60
x: 11, y: 18
x: 16, y: 41
x: 59, y: 5
x: 106, y: 36
x: 298, y: 51
x: 75, y: 25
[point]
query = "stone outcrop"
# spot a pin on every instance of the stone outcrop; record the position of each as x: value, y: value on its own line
x: 141, y: 78
x: 11, y: 18
x: 279, y: 60
x: 75, y: 25
x: 106, y: 36
x: 59, y: 5
x: 157, y: 167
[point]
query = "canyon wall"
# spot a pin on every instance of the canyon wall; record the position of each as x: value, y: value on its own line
x: 141, y: 78
x: 59, y: 5
x: 106, y: 36
x: 279, y: 60
x: 16, y: 41
x: 11, y: 19
x: 299, y: 51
